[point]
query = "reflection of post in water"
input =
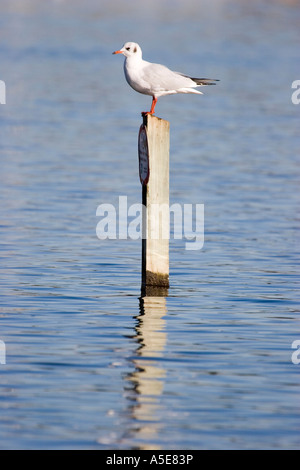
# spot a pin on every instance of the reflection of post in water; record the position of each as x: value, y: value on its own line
x: 148, y: 377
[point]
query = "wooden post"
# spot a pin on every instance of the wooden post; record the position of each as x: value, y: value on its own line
x: 156, y: 217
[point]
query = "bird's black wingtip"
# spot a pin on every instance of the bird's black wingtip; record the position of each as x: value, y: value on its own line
x: 205, y: 81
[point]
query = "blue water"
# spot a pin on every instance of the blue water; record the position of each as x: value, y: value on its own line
x: 208, y: 365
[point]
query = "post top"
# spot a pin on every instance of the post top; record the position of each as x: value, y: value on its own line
x: 148, y: 117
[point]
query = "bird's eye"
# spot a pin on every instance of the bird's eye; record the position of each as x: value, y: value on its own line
x: 127, y: 48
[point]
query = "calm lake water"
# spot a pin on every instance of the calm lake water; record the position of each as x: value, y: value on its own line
x: 207, y: 365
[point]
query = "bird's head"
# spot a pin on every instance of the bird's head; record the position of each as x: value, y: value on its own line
x: 130, y: 49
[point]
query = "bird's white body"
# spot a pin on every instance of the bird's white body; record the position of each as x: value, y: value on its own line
x: 154, y: 79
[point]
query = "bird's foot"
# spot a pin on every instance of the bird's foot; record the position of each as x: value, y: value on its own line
x: 154, y: 101
x: 146, y: 113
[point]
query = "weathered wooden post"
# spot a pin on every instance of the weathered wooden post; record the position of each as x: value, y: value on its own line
x: 154, y: 147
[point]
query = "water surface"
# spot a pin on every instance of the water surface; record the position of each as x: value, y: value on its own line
x: 206, y: 365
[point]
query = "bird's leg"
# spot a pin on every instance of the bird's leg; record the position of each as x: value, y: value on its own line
x: 154, y: 101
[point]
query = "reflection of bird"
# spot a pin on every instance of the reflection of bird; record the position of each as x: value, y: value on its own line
x: 154, y: 79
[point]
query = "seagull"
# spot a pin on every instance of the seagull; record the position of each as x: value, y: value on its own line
x: 154, y: 79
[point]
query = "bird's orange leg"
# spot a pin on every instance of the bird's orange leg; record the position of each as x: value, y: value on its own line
x: 154, y: 101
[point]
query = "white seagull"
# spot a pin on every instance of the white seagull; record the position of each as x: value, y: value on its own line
x: 154, y: 79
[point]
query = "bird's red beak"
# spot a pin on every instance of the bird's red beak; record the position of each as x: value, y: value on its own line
x: 118, y: 52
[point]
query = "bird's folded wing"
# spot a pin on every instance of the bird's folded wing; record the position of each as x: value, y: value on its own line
x: 163, y: 79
